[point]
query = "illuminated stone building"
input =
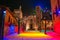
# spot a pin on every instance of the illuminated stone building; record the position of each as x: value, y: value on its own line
x: 31, y: 20
x: 18, y: 13
x: 38, y: 16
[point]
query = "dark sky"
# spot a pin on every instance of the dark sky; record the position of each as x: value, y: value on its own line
x: 27, y: 5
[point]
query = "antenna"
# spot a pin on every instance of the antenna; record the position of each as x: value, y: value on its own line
x: 20, y: 7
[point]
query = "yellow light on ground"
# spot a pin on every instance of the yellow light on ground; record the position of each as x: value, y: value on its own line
x: 33, y: 35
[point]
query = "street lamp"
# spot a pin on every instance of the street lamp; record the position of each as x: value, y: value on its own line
x: 45, y: 24
x: 18, y: 25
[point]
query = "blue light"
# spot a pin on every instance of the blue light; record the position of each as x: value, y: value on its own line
x: 4, y: 11
x: 39, y: 4
x: 50, y: 13
x: 11, y: 29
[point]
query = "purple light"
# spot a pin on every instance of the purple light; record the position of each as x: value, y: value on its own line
x: 58, y: 11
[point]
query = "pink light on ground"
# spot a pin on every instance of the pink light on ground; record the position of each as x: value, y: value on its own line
x: 54, y: 36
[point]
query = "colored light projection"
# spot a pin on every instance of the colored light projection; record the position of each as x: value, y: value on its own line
x: 16, y: 28
x: 59, y: 12
x: 11, y: 29
x: 33, y: 35
x: 57, y: 26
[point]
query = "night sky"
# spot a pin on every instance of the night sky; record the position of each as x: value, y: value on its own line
x: 27, y: 5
